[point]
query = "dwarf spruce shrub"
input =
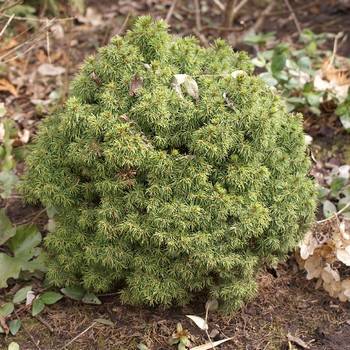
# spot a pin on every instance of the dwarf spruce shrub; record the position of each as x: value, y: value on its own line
x: 173, y: 170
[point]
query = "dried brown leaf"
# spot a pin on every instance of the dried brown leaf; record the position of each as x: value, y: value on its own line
x: 6, y: 86
x: 297, y: 341
x: 4, y: 325
x: 135, y: 84
x: 95, y: 78
x: 340, y: 76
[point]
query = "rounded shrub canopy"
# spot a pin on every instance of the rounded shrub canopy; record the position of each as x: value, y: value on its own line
x: 172, y: 170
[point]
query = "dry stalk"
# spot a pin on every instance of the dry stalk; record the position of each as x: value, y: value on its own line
x: 78, y: 336
x: 258, y: 24
x: 6, y: 25
x: 198, y: 15
x: 29, y: 42
x: 295, y: 19
x: 232, y: 8
x: 171, y: 11
x: 335, y: 215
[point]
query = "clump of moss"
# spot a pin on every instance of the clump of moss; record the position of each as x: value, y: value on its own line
x: 169, y: 174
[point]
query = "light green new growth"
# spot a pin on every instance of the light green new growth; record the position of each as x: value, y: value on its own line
x: 164, y: 194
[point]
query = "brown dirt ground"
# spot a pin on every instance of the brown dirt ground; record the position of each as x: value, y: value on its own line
x: 286, y: 303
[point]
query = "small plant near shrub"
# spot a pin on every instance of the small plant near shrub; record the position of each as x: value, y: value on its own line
x: 172, y: 170
x: 20, y: 254
x: 310, y: 79
x: 36, y: 301
x: 10, y: 322
x: 180, y: 338
x: 307, y: 76
x: 19, y: 251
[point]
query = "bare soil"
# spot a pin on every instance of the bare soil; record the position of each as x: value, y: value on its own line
x: 285, y: 304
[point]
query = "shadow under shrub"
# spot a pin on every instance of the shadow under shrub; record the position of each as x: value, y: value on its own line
x: 164, y: 192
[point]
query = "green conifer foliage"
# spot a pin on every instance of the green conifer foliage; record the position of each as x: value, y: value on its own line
x: 163, y: 193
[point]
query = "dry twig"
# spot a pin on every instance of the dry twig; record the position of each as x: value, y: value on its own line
x: 295, y: 19
x: 232, y: 8
x: 28, y: 333
x: 219, y: 4
x: 229, y: 9
x: 258, y: 24
x: 171, y: 11
x: 335, y: 215
x: 45, y: 323
x: 198, y: 15
x: 124, y: 25
x: 78, y: 336
x: 33, y: 219
x: 7, y: 7
x: 48, y: 41
x: 201, y: 37
x: 206, y: 330
x: 225, y: 29
x: 6, y: 25
x: 335, y: 47
x: 38, y: 37
x: 43, y: 20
